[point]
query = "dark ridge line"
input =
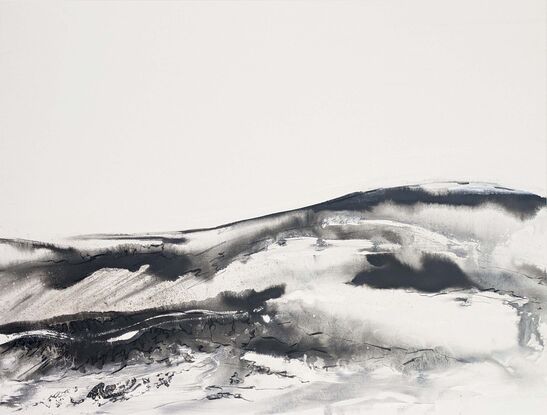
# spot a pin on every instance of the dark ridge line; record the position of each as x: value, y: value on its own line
x: 242, y: 301
x: 131, y: 237
x: 411, y: 189
x: 366, y: 192
x: 34, y: 244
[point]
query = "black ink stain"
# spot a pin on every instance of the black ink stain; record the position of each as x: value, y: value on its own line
x: 436, y: 274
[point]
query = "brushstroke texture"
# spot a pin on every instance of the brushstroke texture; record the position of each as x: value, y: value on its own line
x: 430, y: 281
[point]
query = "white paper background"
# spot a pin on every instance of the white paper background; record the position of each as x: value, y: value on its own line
x: 127, y: 117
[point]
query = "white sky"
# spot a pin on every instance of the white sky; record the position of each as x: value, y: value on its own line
x: 130, y: 117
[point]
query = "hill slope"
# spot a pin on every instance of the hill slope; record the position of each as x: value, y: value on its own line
x: 419, y: 279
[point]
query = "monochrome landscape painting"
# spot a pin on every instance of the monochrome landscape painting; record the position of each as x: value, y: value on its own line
x: 414, y: 294
x: 273, y: 207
